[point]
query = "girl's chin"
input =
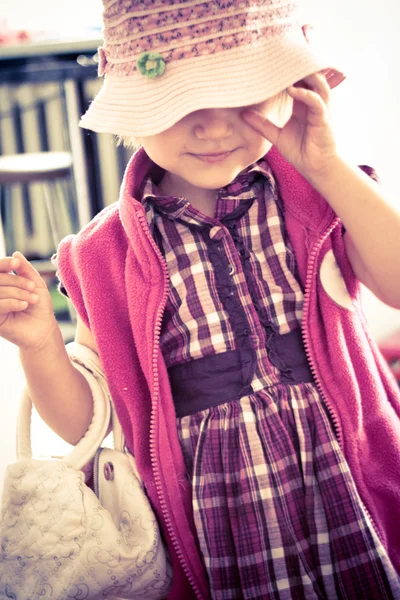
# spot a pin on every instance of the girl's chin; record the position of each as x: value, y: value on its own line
x: 213, y: 178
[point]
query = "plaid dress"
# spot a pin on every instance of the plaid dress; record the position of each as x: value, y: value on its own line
x: 276, y: 510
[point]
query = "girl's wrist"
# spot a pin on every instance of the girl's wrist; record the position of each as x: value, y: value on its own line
x: 46, y: 347
x: 328, y: 181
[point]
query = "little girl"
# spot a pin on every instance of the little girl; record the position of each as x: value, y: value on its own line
x: 221, y: 293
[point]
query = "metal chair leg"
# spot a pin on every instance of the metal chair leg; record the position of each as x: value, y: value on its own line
x: 6, y: 213
x: 55, y: 198
x: 51, y: 198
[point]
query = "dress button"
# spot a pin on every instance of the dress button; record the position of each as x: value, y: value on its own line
x: 216, y: 233
x: 254, y: 341
x: 231, y: 269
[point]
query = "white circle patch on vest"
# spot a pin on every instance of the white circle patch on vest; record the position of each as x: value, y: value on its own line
x: 333, y: 282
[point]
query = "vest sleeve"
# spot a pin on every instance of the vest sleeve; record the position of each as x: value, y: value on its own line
x: 70, y: 273
x: 60, y: 287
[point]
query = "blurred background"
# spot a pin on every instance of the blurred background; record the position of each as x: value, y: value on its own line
x: 48, y: 76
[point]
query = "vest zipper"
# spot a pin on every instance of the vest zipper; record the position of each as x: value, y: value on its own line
x: 306, y: 306
x: 96, y: 461
x: 153, y: 449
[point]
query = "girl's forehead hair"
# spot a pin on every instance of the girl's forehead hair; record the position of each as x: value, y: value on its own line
x: 163, y: 59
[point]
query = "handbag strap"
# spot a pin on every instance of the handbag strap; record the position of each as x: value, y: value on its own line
x: 118, y: 436
x: 83, y: 356
x: 87, y: 362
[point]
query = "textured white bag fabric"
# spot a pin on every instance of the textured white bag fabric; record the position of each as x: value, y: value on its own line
x: 58, y: 539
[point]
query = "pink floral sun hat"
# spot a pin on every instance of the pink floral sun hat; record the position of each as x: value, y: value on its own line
x: 163, y: 59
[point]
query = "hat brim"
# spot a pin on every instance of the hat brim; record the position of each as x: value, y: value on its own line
x: 135, y: 106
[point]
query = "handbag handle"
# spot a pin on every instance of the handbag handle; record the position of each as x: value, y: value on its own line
x: 82, y: 356
x: 86, y: 362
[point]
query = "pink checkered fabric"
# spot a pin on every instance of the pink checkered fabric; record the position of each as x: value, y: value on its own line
x: 196, y: 325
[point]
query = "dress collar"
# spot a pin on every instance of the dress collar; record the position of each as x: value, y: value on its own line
x: 246, y: 186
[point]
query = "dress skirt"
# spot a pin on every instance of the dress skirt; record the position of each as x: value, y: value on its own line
x: 276, y: 509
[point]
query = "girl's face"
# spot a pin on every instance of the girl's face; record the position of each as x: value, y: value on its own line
x: 208, y: 148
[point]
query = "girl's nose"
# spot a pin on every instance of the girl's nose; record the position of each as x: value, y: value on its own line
x: 213, y: 124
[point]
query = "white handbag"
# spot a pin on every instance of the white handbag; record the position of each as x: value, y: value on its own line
x: 58, y: 539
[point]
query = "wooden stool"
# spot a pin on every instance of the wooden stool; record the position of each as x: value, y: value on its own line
x: 50, y: 168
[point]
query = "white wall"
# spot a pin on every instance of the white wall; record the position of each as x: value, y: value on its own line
x: 366, y: 106
x: 60, y: 16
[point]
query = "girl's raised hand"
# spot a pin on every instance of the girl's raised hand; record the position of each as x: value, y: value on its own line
x: 26, y: 313
x: 307, y: 140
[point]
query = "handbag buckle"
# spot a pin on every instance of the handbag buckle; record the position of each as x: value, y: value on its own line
x: 108, y: 471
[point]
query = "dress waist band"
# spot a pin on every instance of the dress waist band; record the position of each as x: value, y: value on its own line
x: 217, y: 379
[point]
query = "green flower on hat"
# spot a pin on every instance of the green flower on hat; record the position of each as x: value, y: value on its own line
x: 151, y: 64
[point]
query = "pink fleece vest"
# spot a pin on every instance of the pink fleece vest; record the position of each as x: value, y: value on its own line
x: 116, y: 278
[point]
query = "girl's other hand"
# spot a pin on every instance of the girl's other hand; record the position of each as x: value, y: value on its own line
x: 307, y: 140
x: 26, y: 312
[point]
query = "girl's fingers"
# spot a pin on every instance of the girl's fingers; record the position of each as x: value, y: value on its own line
x: 317, y: 83
x: 323, y: 88
x: 261, y: 124
x: 8, y: 279
x: 25, y: 269
x: 14, y: 293
x: 9, y: 263
x: 311, y: 99
x: 12, y: 305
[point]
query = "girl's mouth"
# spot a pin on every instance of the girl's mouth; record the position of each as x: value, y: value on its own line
x: 214, y: 157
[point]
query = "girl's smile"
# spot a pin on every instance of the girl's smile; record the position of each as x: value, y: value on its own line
x: 214, y: 157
